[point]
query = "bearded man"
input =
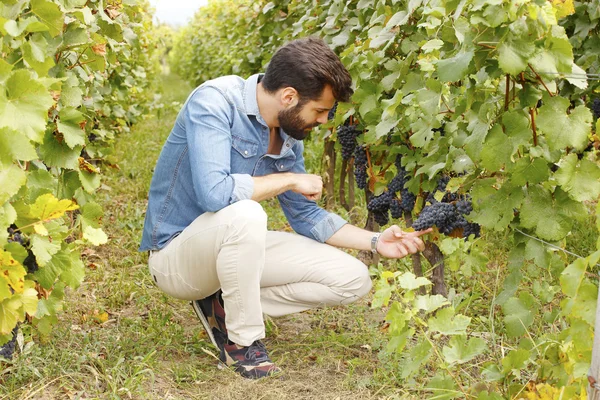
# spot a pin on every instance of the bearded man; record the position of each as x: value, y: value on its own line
x: 235, y: 143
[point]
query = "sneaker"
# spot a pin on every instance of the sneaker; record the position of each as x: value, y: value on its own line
x: 252, y: 362
x: 212, y: 315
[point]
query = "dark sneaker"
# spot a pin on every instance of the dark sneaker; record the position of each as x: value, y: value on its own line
x: 251, y: 362
x: 212, y: 315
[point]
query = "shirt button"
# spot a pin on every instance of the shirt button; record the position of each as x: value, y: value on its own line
x: 287, y: 145
x: 281, y: 166
x: 246, y: 152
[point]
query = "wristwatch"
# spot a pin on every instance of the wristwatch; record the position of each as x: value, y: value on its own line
x: 374, y: 241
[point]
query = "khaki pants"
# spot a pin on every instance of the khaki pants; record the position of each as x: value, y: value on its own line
x: 258, y: 271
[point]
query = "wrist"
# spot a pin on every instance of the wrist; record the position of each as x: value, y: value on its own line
x: 375, y: 242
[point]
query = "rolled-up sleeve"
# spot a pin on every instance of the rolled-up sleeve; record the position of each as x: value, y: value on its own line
x: 208, y: 129
x: 305, y: 216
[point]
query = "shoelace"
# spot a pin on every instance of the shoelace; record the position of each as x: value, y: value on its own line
x: 257, y: 352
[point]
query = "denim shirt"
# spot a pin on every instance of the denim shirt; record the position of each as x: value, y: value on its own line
x: 218, y: 143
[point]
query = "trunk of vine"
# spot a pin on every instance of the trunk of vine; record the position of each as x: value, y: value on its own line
x: 416, y: 258
x: 434, y: 255
x: 329, y: 164
x: 342, y: 190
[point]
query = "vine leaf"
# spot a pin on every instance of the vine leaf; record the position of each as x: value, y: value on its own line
x: 50, y: 15
x: 461, y: 350
x: 446, y: 323
x: 24, y: 103
x: 517, y: 314
x: 562, y: 129
x: 581, y: 179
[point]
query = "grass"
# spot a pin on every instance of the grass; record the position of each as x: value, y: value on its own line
x: 120, y: 337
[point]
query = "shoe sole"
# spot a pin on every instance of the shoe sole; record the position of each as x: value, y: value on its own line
x: 205, y: 323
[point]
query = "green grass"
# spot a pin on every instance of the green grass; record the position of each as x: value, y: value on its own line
x: 120, y: 337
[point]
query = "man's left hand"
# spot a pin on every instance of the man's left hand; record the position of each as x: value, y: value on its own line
x: 395, y: 243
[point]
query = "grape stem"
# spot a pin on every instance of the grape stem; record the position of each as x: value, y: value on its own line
x: 541, y: 81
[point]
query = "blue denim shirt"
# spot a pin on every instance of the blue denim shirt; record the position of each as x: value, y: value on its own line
x: 218, y: 143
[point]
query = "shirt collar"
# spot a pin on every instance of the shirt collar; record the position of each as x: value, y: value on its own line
x: 250, y: 103
x: 251, y: 106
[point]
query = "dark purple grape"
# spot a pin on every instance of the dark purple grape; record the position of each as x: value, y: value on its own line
x: 360, y: 167
x: 331, y: 113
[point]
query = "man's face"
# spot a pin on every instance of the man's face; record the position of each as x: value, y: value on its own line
x: 300, y: 119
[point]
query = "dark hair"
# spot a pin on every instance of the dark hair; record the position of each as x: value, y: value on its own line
x: 308, y: 65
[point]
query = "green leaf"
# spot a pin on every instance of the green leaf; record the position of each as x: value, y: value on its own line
x: 24, y: 104
x: 548, y: 216
x: 50, y: 15
x: 581, y: 179
x: 446, y: 323
x: 416, y: 357
x: 461, y: 350
x: 496, y: 151
x: 53, y: 304
x: 443, y: 387
x: 515, y: 360
x: 455, y: 68
x: 562, y: 129
x: 96, y: 236
x: 15, y: 146
x: 11, y: 180
x: 518, y: 314
x: 73, y: 275
x: 409, y: 281
x: 430, y: 303
x: 43, y: 249
x: 35, y: 54
x: 69, y: 127
x: 58, y: 154
x: 529, y: 171
x: 494, y: 208
x: 514, y: 54
x: 47, y: 275
x: 572, y: 277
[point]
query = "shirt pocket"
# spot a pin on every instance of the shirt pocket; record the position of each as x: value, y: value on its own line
x: 285, y: 163
x: 244, y: 147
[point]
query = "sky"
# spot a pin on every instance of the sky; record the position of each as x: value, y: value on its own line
x: 176, y: 12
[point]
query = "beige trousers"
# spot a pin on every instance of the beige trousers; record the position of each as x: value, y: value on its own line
x: 258, y: 271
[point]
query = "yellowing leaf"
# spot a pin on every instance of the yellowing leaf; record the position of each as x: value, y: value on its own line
x: 47, y: 207
x: 12, y: 271
x: 40, y: 229
x: 563, y: 8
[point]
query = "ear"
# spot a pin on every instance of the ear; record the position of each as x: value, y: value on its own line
x: 289, y: 97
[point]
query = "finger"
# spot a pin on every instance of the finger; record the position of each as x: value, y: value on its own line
x: 421, y: 233
x: 410, y: 246
x: 398, y: 233
x: 417, y: 242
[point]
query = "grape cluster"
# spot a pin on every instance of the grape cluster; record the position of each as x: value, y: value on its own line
x: 449, y: 214
x: 347, y: 137
x: 596, y: 107
x: 389, y: 202
x: 360, y: 167
x: 331, y: 113
x: 7, y: 350
x: 15, y: 236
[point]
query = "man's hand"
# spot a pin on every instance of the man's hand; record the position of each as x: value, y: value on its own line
x: 394, y: 243
x: 308, y: 185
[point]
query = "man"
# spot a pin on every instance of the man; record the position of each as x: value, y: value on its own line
x: 235, y: 143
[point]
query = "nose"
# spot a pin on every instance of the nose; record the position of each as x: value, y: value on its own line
x: 323, y: 118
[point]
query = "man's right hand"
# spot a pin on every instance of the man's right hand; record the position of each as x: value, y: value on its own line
x: 308, y: 185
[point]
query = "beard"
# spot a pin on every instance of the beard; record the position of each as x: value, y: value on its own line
x: 293, y: 124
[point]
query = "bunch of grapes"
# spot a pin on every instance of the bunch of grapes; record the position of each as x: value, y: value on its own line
x: 360, y: 167
x: 331, y: 113
x: 347, y: 137
x: 15, y: 236
x: 596, y: 107
x: 449, y: 214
